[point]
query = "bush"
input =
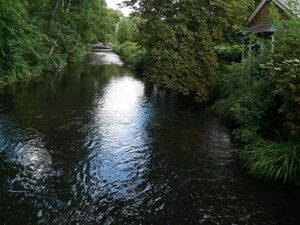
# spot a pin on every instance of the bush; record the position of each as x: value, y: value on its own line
x: 244, y: 100
x: 261, y: 102
x: 278, y: 162
x: 285, y: 77
x: 131, y: 53
x: 265, y: 158
x: 230, y: 52
x: 261, y: 105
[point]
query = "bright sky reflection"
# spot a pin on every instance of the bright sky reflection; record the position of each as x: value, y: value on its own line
x: 34, y: 157
x: 119, y: 140
x: 105, y: 58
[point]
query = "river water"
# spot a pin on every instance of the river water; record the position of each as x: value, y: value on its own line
x: 96, y: 145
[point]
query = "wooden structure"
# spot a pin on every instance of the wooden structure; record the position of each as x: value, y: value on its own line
x: 260, y: 21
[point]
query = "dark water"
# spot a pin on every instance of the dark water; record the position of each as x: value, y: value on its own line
x: 98, y: 146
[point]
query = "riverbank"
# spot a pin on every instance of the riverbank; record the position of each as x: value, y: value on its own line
x: 36, y: 73
x: 261, y: 120
x: 132, y: 54
x: 248, y: 108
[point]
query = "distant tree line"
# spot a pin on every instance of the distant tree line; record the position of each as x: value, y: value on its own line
x: 39, y: 35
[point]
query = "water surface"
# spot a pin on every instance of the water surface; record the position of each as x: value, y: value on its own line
x: 96, y: 145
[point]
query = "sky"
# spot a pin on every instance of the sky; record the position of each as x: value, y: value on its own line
x: 113, y: 4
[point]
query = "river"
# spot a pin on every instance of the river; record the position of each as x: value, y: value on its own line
x: 96, y: 145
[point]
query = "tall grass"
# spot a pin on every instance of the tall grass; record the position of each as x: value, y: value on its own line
x: 278, y: 162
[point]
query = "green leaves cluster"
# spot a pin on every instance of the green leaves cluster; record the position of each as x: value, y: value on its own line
x: 17, y: 39
x: 284, y: 72
x: 42, y: 35
x: 229, y: 52
x: 131, y: 53
x: 128, y: 29
x: 261, y: 107
x: 180, y: 39
x: 285, y: 77
x: 260, y: 99
x: 244, y: 101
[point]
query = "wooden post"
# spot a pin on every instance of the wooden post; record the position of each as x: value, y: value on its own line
x: 249, y: 56
x: 262, y: 48
x: 54, y: 6
x: 243, y: 55
x: 273, y: 44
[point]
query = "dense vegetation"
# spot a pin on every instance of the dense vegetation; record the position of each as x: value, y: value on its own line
x: 42, y: 35
x: 127, y: 37
x: 179, y: 38
x: 195, y: 48
x: 259, y: 98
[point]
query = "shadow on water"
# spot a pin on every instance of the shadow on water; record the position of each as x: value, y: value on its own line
x: 96, y: 145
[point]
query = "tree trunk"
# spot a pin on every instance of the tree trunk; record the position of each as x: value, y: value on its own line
x: 54, y: 6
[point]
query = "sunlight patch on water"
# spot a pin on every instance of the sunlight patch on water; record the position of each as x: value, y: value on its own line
x: 106, y: 58
x: 119, y: 141
x: 33, y: 157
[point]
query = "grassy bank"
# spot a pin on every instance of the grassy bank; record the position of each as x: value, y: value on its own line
x: 259, y: 100
x: 265, y: 133
x: 131, y: 54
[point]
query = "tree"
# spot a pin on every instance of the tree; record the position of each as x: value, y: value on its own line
x: 180, y: 36
x: 128, y: 30
x: 40, y: 35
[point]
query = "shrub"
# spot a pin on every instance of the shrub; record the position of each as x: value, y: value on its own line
x: 131, y: 53
x: 278, y: 162
x: 230, y: 52
x: 285, y: 77
x: 244, y: 100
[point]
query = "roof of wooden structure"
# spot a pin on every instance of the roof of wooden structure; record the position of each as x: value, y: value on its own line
x: 285, y: 5
x: 262, y: 28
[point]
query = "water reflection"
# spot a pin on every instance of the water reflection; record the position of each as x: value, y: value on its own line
x: 118, y: 147
x: 33, y: 156
x: 28, y: 153
x: 105, y: 58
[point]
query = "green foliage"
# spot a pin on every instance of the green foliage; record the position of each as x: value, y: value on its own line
x: 273, y: 161
x: 261, y: 102
x: 284, y: 71
x: 128, y: 30
x: 179, y: 38
x: 15, y: 39
x: 249, y: 103
x: 229, y: 52
x: 131, y: 53
x: 244, y: 100
x: 128, y: 48
x: 287, y: 38
x: 41, y: 35
x: 285, y: 77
